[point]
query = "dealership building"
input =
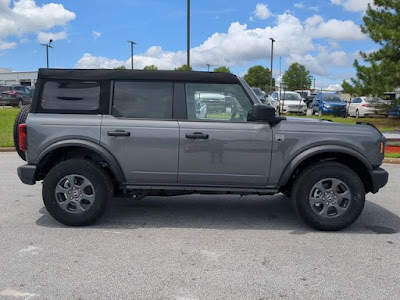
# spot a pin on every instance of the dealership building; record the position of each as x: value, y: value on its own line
x: 10, y: 77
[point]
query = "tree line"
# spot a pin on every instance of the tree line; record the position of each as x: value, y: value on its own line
x: 296, y: 77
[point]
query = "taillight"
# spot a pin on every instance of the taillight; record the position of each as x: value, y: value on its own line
x: 366, y: 105
x: 22, y: 137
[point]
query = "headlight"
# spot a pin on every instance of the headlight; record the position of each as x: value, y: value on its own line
x: 327, y: 105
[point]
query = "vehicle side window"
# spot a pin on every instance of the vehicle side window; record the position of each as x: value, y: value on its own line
x: 71, y: 95
x: 143, y: 100
x: 275, y: 95
x: 357, y: 100
x: 217, y: 102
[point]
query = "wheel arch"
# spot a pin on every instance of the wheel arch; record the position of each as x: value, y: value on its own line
x: 57, y: 152
x: 349, y: 157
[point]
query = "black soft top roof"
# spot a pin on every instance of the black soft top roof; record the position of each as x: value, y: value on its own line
x: 105, y: 74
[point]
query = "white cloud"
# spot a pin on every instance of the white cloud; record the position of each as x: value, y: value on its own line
x: 299, y: 5
x: 45, y: 37
x: 242, y: 46
x: 314, y: 8
x: 262, y: 12
x: 25, y: 16
x: 333, y: 29
x: 238, y: 46
x: 334, y: 87
x: 353, y: 5
x: 7, y: 45
x: 96, y: 34
x: 321, y: 63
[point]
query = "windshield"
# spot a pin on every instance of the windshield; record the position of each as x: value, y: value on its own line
x: 332, y: 98
x: 303, y: 94
x: 257, y: 91
x: 291, y: 96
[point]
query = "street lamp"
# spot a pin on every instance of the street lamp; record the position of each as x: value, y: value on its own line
x: 188, y: 35
x: 132, y: 43
x: 208, y: 67
x: 272, y: 60
x: 48, y: 45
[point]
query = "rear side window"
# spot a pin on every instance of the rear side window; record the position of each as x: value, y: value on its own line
x: 71, y: 95
x: 143, y: 100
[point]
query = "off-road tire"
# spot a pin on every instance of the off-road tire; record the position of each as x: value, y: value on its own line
x: 95, y: 174
x: 312, y: 175
x: 20, y: 119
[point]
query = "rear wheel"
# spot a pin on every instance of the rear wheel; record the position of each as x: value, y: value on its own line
x: 328, y: 196
x: 20, y: 119
x: 77, y: 192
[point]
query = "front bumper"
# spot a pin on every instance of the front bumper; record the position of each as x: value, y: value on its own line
x: 27, y: 174
x: 379, y: 178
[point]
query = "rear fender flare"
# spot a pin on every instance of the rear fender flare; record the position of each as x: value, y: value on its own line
x: 106, y: 155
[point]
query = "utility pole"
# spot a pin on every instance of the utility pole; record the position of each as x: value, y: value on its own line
x: 132, y: 43
x: 188, y: 35
x: 272, y: 61
x: 48, y: 45
x: 280, y: 76
x: 208, y: 67
x: 314, y: 83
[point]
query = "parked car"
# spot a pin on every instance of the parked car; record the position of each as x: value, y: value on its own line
x: 395, y: 112
x: 329, y: 104
x: 144, y: 138
x: 259, y: 93
x: 290, y: 102
x: 307, y: 95
x: 272, y: 102
x: 366, y: 106
x: 15, y: 95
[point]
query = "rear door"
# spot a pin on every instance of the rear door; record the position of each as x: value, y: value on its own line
x: 141, y: 133
x: 222, y: 148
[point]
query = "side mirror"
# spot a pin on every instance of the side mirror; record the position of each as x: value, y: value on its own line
x: 262, y: 112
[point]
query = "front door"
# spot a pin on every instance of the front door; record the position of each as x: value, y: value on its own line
x: 218, y: 147
x: 141, y: 134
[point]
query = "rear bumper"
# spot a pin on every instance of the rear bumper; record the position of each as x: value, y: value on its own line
x: 379, y: 178
x: 27, y: 174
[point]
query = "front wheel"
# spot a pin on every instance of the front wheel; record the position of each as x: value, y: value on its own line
x: 77, y: 192
x: 328, y: 196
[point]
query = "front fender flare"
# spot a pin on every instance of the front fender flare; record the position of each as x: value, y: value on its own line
x: 301, y: 157
x: 106, y: 155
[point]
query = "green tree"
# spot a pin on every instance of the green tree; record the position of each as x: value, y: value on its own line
x: 381, y: 70
x: 184, y: 68
x: 150, y: 68
x: 297, y: 77
x: 120, y: 68
x: 260, y: 77
x: 222, y: 69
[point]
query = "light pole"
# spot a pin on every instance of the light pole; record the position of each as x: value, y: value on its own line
x: 132, y: 43
x: 272, y: 61
x: 48, y: 45
x: 208, y: 67
x: 188, y: 35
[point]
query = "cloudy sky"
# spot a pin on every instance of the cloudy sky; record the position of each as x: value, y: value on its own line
x: 324, y: 35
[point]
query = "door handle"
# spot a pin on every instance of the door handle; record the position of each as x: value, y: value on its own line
x: 196, y: 136
x: 118, y: 133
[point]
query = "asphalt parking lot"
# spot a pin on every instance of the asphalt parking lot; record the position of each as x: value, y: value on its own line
x: 195, y: 247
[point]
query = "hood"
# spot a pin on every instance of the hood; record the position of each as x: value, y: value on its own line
x: 335, y: 103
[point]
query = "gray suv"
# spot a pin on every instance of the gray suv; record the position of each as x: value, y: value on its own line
x: 93, y: 134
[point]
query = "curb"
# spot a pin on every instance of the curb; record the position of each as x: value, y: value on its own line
x: 395, y: 161
x: 7, y: 149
